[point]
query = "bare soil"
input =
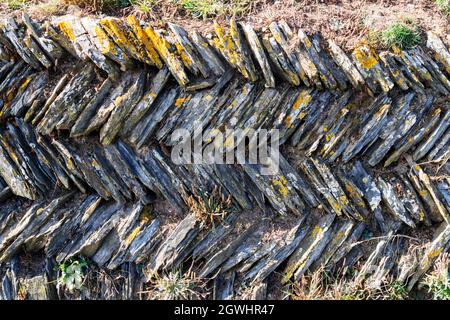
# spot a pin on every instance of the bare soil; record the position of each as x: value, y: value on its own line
x: 344, y: 21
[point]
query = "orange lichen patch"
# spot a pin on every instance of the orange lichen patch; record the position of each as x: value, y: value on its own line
x: 179, y: 102
x: 356, y: 196
x: 288, y: 122
x: 434, y: 253
x: 303, y: 99
x: 366, y: 56
x: 302, y: 115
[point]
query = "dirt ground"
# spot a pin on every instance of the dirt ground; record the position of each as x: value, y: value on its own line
x: 345, y: 21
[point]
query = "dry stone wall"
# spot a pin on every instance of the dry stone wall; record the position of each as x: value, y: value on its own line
x: 87, y: 108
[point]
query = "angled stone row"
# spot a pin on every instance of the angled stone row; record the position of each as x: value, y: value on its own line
x: 34, y: 166
x: 144, y: 106
x: 116, y: 45
x: 128, y: 236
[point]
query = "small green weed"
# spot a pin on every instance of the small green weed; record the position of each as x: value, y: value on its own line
x: 443, y: 5
x: 401, y: 35
x: 438, y: 281
x: 73, y: 273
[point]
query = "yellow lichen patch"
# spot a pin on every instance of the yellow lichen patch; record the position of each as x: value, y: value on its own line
x: 303, y: 99
x: 145, y: 40
x: 133, y: 234
x: 118, y: 30
x: 70, y: 165
x: 184, y: 57
x: 229, y: 142
x: 67, y: 30
x: 437, y: 112
x: 163, y: 47
x: 106, y: 45
x: 25, y: 83
x: 307, y: 43
x: 355, y: 195
x: 343, y: 200
x: 340, y: 235
x: 115, y: 30
x: 395, y: 73
x: 280, y: 185
x: 382, y: 111
x: 9, y: 150
x: 366, y: 56
x: 421, y: 215
x: 144, y: 218
x: 212, y: 137
x: 11, y: 93
x: 229, y: 48
x: 335, y: 205
x: 235, y: 32
x: 277, y: 37
x: 232, y: 104
x: 225, y: 44
x: 317, y: 231
x: 288, y: 273
x: 398, y: 52
x: 119, y: 100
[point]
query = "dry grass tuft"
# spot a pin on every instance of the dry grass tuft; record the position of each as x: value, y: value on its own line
x: 176, y: 285
x: 438, y: 281
x: 322, y: 285
x: 210, y: 209
x: 97, y: 5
